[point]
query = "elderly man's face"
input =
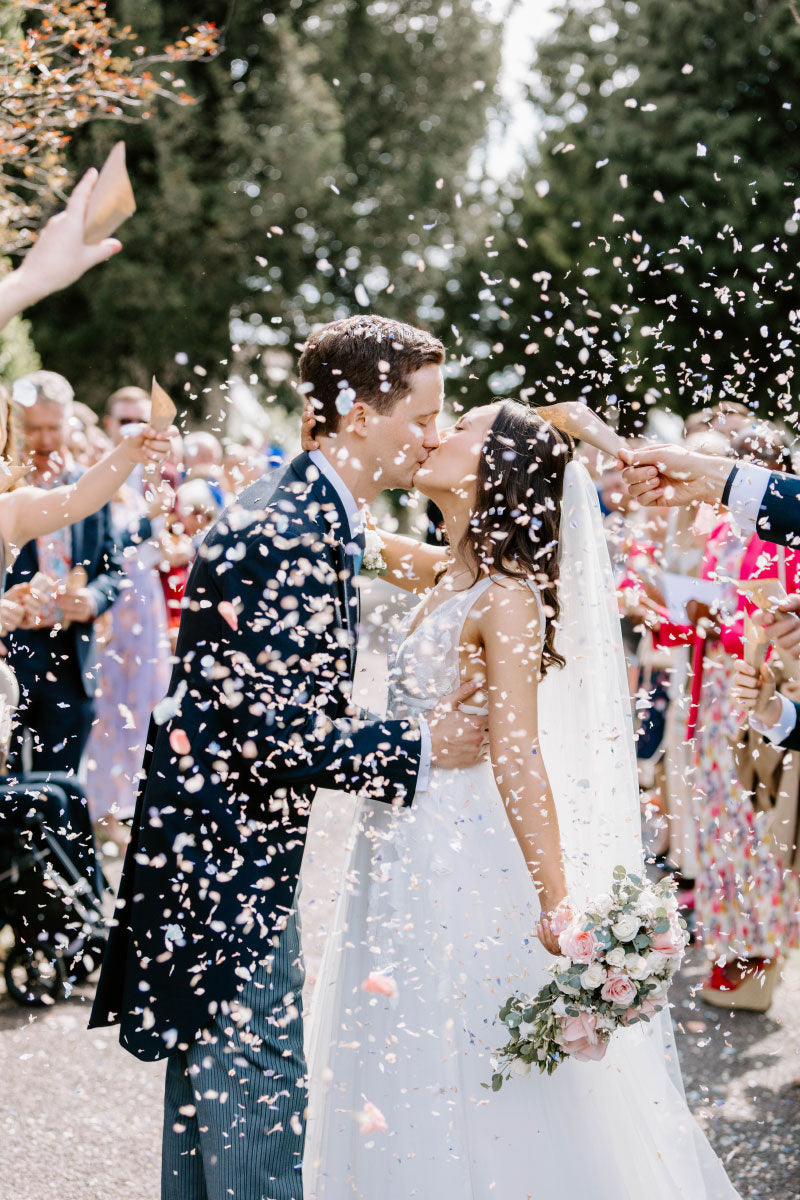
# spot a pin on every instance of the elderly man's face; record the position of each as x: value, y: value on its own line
x: 126, y: 412
x: 46, y: 430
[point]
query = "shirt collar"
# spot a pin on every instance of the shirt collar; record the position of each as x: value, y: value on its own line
x: 354, y: 514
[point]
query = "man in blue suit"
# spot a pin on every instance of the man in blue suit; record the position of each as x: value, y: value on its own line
x: 763, y: 501
x: 204, y: 965
x: 55, y: 658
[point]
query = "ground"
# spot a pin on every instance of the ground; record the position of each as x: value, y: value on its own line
x: 80, y: 1119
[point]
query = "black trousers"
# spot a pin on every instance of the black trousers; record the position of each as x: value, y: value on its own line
x: 61, y: 801
x: 59, y: 715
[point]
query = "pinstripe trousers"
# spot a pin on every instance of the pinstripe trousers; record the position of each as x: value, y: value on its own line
x: 234, y: 1105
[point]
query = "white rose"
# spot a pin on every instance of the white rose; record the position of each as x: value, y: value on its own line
x: 616, y: 957
x: 526, y: 1029
x: 637, y: 966
x: 658, y: 992
x: 657, y: 961
x: 593, y: 976
x: 602, y: 904
x: 626, y: 928
x: 520, y: 1067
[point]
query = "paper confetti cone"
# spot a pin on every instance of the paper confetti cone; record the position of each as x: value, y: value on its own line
x: 162, y: 411
x: 111, y: 201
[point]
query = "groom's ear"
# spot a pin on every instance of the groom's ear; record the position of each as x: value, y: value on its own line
x: 358, y: 418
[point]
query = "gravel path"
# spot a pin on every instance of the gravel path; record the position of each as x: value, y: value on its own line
x: 81, y: 1120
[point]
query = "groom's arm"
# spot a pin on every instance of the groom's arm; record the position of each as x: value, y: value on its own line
x: 287, y: 663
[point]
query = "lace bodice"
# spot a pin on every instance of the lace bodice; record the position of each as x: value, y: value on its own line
x: 424, y: 660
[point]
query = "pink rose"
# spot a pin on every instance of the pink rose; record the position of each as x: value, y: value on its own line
x: 670, y: 943
x: 578, y: 944
x: 647, y: 1009
x: 589, y: 1051
x: 579, y: 1037
x: 618, y: 989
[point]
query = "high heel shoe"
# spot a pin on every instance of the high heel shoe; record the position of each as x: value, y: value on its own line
x: 753, y: 993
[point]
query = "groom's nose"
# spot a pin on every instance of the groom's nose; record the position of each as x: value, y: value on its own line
x: 431, y: 440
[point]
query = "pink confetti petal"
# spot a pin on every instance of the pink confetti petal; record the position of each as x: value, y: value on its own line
x: 179, y: 741
x: 228, y: 614
x: 380, y: 985
x: 371, y: 1119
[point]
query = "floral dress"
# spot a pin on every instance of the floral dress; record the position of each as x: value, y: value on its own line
x: 134, y: 669
x: 746, y: 903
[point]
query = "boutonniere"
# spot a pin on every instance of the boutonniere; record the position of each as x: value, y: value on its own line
x: 373, y: 552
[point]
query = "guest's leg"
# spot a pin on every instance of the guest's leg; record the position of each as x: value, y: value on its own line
x: 250, y: 1088
x: 182, y: 1175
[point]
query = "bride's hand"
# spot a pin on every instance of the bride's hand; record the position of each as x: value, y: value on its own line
x: 551, y: 923
x: 307, y: 425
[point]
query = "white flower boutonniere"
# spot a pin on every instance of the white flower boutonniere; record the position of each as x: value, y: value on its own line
x: 373, y: 552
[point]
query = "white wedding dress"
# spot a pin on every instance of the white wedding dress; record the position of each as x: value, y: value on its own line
x: 437, y: 900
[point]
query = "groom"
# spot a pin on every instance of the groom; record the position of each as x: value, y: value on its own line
x: 203, y: 964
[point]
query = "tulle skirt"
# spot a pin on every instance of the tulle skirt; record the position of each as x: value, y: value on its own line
x: 438, y: 909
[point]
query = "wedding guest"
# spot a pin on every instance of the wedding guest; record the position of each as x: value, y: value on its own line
x: 241, y: 465
x: 135, y: 655
x: 54, y: 655
x: 746, y: 904
x: 202, y: 459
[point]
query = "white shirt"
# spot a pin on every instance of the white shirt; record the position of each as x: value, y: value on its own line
x: 355, y: 518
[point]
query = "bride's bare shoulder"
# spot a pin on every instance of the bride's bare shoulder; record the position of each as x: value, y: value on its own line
x: 509, y: 605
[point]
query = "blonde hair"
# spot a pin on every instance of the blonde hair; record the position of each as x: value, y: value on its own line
x: 10, y: 448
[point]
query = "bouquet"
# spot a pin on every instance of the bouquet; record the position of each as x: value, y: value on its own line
x: 619, y: 958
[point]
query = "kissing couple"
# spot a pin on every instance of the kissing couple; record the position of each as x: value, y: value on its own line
x: 459, y: 858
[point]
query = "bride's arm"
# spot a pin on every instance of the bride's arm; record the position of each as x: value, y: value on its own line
x: 509, y: 627
x: 31, y: 512
x: 410, y: 564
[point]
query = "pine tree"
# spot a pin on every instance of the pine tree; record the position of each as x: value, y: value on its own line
x: 319, y: 172
x: 661, y: 208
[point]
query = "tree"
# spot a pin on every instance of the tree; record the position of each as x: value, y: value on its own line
x: 660, y: 211
x: 62, y: 66
x: 321, y: 171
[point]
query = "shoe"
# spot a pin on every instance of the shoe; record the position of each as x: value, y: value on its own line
x: 753, y: 993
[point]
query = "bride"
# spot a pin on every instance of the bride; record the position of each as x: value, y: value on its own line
x: 446, y: 905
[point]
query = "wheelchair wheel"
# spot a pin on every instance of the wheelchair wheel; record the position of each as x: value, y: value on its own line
x: 34, y: 975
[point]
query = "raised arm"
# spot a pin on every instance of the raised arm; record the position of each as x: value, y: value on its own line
x: 31, y: 512
x: 509, y: 626
x: 58, y: 257
x: 410, y: 564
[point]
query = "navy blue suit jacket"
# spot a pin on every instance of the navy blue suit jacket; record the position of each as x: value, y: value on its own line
x: 30, y: 652
x: 259, y: 718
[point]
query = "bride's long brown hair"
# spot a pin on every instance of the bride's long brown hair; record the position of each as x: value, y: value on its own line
x: 513, y: 530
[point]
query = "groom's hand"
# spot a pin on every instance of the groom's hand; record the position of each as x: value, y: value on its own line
x: 672, y: 475
x: 458, y: 739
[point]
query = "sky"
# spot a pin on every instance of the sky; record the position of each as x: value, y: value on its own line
x: 529, y: 20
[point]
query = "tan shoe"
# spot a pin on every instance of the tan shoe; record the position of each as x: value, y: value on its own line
x: 752, y: 994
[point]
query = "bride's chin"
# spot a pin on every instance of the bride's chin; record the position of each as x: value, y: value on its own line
x: 423, y: 481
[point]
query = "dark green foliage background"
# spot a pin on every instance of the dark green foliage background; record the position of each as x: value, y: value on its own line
x: 645, y: 251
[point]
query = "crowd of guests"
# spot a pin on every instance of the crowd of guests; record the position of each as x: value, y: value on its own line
x: 90, y: 613
x: 720, y: 801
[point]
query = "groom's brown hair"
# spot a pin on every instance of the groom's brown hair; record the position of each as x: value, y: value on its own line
x: 373, y: 356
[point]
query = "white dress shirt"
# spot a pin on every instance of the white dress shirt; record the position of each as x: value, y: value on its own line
x: 356, y: 519
x: 748, y: 488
